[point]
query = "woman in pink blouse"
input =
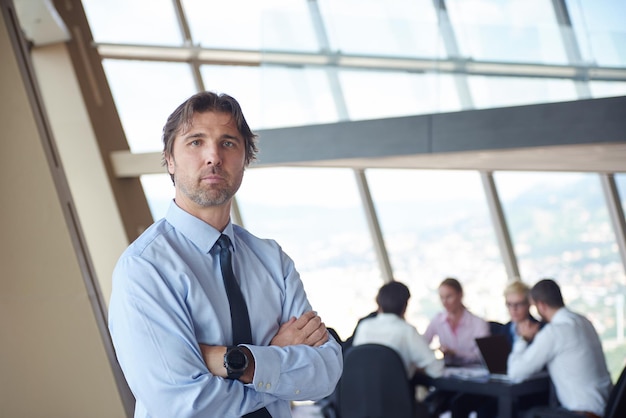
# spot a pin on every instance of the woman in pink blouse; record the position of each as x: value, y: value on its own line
x: 456, y: 327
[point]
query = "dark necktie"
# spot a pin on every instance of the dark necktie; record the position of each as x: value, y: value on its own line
x: 238, y: 309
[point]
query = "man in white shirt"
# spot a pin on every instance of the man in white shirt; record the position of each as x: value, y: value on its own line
x: 570, y: 348
x: 389, y: 328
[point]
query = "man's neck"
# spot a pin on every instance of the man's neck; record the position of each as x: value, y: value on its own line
x: 216, y: 216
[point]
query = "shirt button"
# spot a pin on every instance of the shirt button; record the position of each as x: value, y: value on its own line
x: 260, y: 385
x: 268, y: 386
x: 297, y: 391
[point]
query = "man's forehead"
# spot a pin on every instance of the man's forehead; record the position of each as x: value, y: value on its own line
x: 199, y: 119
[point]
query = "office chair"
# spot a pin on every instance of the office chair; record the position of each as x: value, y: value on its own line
x: 616, y: 404
x: 374, y: 384
x: 496, y: 327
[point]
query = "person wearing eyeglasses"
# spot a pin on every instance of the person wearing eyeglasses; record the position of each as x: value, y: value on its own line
x: 516, y: 297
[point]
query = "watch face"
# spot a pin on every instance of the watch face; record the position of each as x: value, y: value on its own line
x: 236, y: 359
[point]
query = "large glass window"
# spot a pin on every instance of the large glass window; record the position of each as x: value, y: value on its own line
x: 436, y: 224
x: 317, y: 217
x: 561, y: 229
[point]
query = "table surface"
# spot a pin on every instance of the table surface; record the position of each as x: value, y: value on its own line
x: 484, y: 385
x: 506, y: 392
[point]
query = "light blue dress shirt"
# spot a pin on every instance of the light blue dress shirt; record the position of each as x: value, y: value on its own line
x: 168, y: 296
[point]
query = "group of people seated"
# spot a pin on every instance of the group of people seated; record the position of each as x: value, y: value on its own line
x: 562, y: 342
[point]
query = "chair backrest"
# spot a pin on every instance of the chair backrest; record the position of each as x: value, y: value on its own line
x: 374, y: 384
x: 496, y: 328
x: 616, y: 404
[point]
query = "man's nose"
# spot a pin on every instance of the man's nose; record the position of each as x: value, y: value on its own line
x: 212, y: 154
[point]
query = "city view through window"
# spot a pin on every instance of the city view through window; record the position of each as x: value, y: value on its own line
x: 436, y: 224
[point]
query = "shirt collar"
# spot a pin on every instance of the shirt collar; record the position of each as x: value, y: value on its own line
x: 200, y: 233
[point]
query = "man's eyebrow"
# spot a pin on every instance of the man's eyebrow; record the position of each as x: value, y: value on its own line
x: 193, y: 135
x: 227, y: 136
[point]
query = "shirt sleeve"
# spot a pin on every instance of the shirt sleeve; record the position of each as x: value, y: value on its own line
x: 431, y: 331
x: 527, y: 359
x: 157, y: 349
x: 423, y: 357
x: 296, y: 372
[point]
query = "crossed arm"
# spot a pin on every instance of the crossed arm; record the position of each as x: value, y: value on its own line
x: 307, y: 330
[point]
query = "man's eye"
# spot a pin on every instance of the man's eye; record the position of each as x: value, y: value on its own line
x: 195, y: 143
x: 229, y: 144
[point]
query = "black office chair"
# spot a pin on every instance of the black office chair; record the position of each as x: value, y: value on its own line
x: 616, y: 404
x: 374, y: 384
x: 496, y: 328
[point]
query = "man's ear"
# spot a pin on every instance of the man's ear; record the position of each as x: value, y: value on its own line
x: 170, y: 164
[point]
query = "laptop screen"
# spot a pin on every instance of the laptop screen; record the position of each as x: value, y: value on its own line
x: 495, y: 351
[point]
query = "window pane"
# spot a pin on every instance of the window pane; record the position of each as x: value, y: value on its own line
x: 607, y: 89
x: 251, y: 24
x: 145, y: 94
x: 514, y: 31
x: 150, y: 22
x: 489, y: 92
x: 392, y: 28
x: 159, y: 192
x: 375, y: 94
x: 600, y: 30
x: 436, y: 224
x: 620, y: 181
x: 316, y: 216
x: 274, y: 97
x: 561, y: 229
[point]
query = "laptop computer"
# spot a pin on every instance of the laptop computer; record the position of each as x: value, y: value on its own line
x: 494, y: 351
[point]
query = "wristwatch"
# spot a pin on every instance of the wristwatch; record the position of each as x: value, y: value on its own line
x: 235, y: 362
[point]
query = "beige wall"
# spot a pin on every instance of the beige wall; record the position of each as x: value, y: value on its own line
x: 82, y: 163
x: 53, y: 362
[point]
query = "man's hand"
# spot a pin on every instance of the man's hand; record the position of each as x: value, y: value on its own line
x: 308, y: 330
x: 527, y: 329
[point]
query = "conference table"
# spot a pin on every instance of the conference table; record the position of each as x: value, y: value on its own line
x: 506, y: 392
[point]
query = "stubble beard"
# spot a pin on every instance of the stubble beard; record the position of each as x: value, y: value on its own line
x: 209, y: 195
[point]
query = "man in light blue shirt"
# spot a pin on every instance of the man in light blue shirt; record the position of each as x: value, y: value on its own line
x: 169, y: 315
